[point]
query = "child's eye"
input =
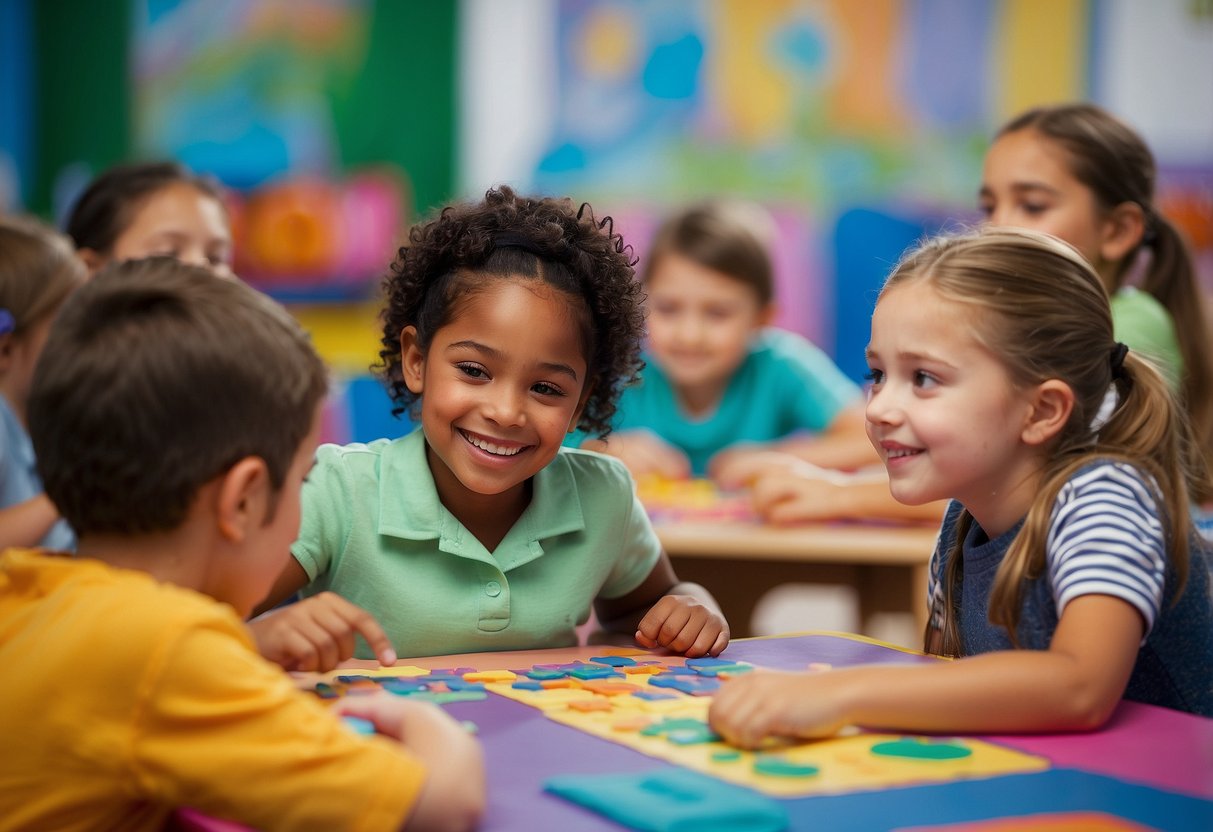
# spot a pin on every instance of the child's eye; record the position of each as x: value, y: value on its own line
x: 472, y: 370
x: 924, y: 379
x: 986, y: 209
x: 545, y: 389
x: 875, y: 376
x: 1033, y: 209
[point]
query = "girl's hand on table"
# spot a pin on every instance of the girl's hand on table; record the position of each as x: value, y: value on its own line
x: 752, y: 707
x: 683, y: 624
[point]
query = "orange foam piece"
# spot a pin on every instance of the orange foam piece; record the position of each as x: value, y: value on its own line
x: 634, y: 723
x: 639, y: 669
x: 551, y: 684
x: 609, y: 688
x: 588, y: 705
x: 490, y: 676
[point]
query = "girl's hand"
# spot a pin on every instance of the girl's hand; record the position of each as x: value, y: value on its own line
x: 318, y: 633
x: 683, y: 624
x: 760, y: 704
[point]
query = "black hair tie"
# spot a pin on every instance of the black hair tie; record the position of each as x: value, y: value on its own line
x: 512, y: 239
x: 1117, y: 359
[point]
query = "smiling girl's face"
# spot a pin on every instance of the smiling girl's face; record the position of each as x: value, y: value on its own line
x: 501, y: 385
x: 943, y: 412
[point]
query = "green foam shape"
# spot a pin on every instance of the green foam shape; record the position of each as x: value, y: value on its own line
x: 782, y: 767
x: 918, y: 749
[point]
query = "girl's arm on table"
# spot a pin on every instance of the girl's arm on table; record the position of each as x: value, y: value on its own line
x: 662, y: 612
x: 1072, y: 686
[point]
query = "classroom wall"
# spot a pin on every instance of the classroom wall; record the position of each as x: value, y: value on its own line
x: 860, y: 123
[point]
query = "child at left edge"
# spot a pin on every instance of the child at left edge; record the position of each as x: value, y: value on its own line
x: 509, y: 322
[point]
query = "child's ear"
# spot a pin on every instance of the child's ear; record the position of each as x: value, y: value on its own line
x: 585, y: 397
x: 1052, y: 404
x: 244, y: 498
x: 1123, y: 229
x: 412, y: 360
x: 766, y: 316
x: 93, y: 260
x: 7, y: 345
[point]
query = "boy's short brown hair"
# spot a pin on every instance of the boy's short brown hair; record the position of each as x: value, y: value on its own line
x: 157, y: 377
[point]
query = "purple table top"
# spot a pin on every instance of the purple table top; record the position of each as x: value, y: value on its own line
x: 1154, y: 747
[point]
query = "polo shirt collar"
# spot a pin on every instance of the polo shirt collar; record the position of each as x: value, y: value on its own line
x: 414, y: 512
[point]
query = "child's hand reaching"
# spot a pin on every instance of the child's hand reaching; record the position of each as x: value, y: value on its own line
x: 644, y: 453
x: 683, y: 624
x: 318, y: 633
x: 761, y: 704
x: 805, y: 492
x: 454, y: 793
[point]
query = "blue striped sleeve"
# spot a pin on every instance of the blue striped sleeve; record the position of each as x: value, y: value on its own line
x: 1106, y: 538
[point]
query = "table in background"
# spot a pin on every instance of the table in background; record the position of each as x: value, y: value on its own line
x: 1147, y: 763
x: 739, y: 561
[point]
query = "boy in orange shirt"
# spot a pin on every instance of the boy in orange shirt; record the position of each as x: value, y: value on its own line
x: 174, y: 417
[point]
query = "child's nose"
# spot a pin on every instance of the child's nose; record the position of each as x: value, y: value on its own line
x: 882, y: 407
x: 507, y: 408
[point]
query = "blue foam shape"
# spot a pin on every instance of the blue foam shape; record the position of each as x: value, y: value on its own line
x: 672, y: 800
x: 527, y: 684
x: 614, y: 661
x: 708, y: 661
x: 359, y: 725
x: 1014, y: 795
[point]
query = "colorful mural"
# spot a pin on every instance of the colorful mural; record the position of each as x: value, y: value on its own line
x: 861, y: 125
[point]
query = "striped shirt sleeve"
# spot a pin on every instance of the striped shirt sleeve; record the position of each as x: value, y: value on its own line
x: 1106, y: 538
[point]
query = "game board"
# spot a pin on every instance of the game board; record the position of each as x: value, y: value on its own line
x: 659, y: 707
x: 668, y: 500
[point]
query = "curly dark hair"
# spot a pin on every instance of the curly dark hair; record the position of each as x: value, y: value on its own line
x: 508, y: 236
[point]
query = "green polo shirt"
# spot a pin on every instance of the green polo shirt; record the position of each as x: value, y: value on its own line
x: 375, y: 532
x: 1145, y: 325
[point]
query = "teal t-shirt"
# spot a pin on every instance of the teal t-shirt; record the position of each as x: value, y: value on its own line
x: 1145, y: 326
x: 375, y: 532
x: 783, y: 386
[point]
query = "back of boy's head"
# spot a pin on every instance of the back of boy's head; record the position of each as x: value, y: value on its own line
x: 38, y: 270
x: 157, y: 377
x: 109, y: 203
x: 730, y: 237
x: 470, y: 245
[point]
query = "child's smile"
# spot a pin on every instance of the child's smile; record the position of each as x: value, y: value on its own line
x: 501, y: 385
x: 942, y: 412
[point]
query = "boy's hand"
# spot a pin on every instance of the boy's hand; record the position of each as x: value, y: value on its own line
x: 317, y: 633
x: 683, y: 624
x: 748, y: 709
x: 645, y: 454
x: 800, y: 496
x: 397, y: 717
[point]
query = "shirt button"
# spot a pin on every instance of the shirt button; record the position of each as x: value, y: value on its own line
x: 492, y: 589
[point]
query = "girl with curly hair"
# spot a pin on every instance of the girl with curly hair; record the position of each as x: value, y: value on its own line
x: 508, y: 323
